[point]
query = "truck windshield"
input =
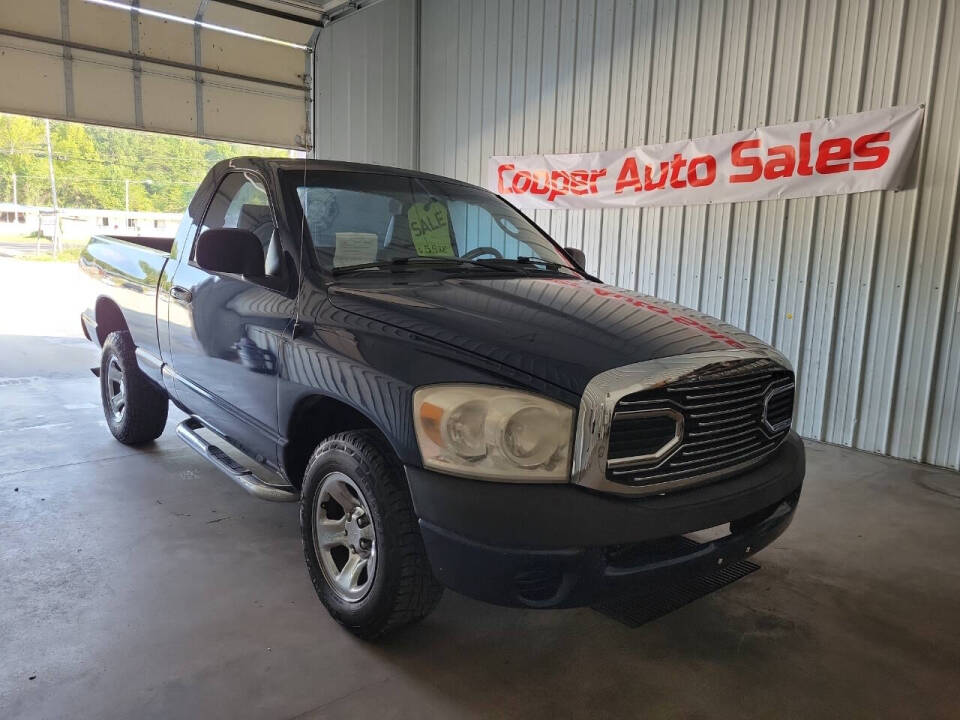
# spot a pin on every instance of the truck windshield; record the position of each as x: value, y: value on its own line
x: 361, y: 220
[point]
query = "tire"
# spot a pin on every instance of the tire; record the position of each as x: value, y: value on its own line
x: 141, y: 412
x: 402, y: 589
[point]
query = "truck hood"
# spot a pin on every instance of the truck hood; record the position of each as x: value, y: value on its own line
x: 563, y: 331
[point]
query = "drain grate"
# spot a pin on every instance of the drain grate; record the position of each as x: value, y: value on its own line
x: 636, y: 608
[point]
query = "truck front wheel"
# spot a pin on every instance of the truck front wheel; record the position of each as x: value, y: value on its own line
x: 360, y: 536
x: 135, y: 408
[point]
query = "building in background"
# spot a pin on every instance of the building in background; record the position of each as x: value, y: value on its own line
x: 78, y: 224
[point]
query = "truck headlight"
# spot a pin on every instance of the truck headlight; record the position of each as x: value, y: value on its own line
x: 489, y: 432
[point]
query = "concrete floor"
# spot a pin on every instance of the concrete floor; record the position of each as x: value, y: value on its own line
x: 142, y: 583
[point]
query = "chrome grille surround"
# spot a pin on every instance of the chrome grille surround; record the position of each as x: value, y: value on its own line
x: 771, y: 394
x: 665, y: 450
x: 605, y: 391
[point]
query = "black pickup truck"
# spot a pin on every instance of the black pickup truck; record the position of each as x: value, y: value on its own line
x: 452, y: 399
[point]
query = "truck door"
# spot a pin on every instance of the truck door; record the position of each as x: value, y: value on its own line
x: 226, y: 330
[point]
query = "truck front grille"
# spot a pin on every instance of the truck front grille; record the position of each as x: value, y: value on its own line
x: 700, y: 426
x: 640, y: 434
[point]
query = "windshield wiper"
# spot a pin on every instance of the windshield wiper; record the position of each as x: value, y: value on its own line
x: 519, y: 265
x: 536, y: 262
x: 540, y: 261
x: 402, y: 261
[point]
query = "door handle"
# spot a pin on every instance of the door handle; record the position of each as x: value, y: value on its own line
x: 181, y: 294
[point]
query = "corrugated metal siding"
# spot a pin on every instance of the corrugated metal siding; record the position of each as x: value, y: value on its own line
x: 862, y: 292
x: 366, y: 86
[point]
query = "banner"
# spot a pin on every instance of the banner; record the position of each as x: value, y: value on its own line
x: 848, y: 154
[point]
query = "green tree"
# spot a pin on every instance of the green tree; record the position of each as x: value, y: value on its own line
x: 21, y: 146
x: 92, y: 164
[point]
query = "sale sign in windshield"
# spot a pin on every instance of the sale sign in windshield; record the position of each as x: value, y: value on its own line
x: 848, y: 154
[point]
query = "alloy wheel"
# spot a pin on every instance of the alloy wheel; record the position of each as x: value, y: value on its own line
x: 116, y: 389
x: 344, y: 538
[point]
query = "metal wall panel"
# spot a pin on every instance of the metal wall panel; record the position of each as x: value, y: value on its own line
x: 862, y: 292
x: 366, y: 87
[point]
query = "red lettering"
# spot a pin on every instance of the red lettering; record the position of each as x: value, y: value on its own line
x: 710, y: 163
x: 578, y: 182
x: 594, y: 176
x: 629, y: 176
x: 543, y: 186
x: 501, y: 188
x: 738, y: 160
x: 521, y: 181
x: 864, y: 148
x: 781, y: 162
x: 803, y: 167
x: 648, y: 183
x: 832, y: 154
x: 675, y: 167
x: 559, y: 184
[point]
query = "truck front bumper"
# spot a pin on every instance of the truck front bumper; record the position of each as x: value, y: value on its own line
x: 563, y: 546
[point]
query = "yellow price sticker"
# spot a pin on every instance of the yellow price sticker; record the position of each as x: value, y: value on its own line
x: 430, y: 229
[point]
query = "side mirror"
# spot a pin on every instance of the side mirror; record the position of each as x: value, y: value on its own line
x: 577, y: 256
x: 230, y: 250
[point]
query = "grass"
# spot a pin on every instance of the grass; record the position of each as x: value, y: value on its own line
x: 70, y: 254
x: 26, y: 244
x: 27, y: 240
x: 31, y: 239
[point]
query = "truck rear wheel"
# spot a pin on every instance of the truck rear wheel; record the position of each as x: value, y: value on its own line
x: 360, y: 536
x: 135, y: 408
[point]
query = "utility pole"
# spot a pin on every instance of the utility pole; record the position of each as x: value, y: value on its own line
x: 16, y: 215
x: 53, y: 193
x: 126, y: 193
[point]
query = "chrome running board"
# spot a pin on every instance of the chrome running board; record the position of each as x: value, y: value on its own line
x: 187, y: 431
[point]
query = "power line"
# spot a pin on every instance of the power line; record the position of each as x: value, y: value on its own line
x: 106, y: 181
x: 154, y: 163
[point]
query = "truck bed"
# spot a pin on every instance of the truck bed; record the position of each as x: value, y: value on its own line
x: 126, y: 271
x: 160, y: 244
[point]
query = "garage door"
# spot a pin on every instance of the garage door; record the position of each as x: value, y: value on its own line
x: 222, y: 69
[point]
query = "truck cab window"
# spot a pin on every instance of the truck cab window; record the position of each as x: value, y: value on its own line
x: 241, y: 202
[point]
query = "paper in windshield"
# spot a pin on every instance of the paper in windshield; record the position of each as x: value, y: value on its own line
x: 355, y: 248
x: 430, y: 229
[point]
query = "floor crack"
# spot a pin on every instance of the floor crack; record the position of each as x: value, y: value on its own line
x: 76, y: 462
x: 337, y: 699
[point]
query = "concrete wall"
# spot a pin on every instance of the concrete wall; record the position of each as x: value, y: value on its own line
x: 861, y: 291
